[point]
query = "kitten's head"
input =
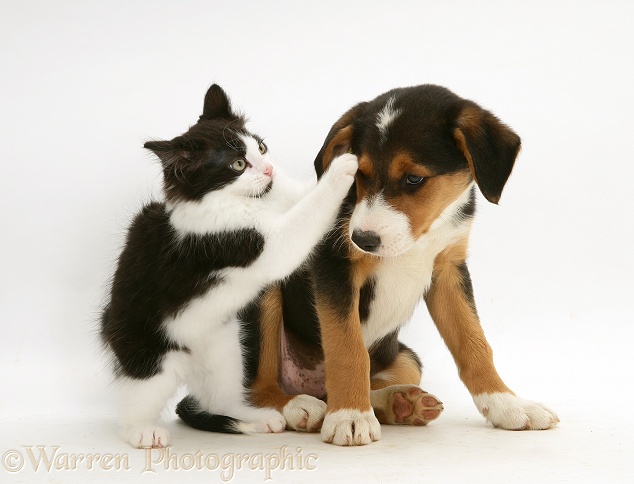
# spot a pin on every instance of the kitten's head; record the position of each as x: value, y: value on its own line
x: 217, y: 153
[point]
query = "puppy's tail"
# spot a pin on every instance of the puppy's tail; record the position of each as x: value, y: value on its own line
x: 190, y: 412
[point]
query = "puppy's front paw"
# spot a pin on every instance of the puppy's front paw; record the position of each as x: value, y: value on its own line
x: 341, y: 172
x: 510, y: 412
x: 146, y: 437
x: 350, y: 427
x: 304, y: 413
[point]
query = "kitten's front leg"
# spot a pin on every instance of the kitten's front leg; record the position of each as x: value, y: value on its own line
x: 141, y: 401
x: 289, y: 190
x: 292, y: 238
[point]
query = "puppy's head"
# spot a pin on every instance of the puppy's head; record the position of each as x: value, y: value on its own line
x: 420, y: 149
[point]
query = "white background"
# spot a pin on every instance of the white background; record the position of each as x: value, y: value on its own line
x: 84, y: 84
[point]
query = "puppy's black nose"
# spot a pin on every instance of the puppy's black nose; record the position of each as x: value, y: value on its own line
x: 366, y: 240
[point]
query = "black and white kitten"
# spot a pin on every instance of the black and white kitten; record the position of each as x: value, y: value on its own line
x: 230, y: 225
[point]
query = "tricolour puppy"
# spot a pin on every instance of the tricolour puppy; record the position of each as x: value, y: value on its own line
x: 401, y: 237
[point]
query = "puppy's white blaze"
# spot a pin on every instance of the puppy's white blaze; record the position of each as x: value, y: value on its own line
x: 386, y: 116
x: 376, y: 215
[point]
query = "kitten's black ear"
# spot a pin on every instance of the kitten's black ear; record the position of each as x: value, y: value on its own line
x: 339, y: 139
x: 217, y: 104
x: 489, y: 146
x: 166, y: 151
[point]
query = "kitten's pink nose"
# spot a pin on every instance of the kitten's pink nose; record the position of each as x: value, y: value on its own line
x: 268, y: 169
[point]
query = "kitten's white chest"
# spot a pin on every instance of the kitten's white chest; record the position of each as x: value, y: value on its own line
x: 198, y: 324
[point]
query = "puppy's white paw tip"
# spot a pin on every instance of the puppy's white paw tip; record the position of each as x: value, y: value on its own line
x: 350, y: 427
x: 507, y: 411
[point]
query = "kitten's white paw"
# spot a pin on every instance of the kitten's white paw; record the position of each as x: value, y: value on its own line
x: 270, y: 421
x: 350, y: 427
x: 145, y: 437
x: 509, y: 412
x: 341, y: 172
x: 304, y: 413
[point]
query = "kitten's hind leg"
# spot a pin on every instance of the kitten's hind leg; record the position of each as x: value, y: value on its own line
x: 141, y: 402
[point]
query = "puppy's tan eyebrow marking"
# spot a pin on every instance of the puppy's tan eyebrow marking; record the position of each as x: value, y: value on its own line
x: 366, y: 167
x: 403, y: 164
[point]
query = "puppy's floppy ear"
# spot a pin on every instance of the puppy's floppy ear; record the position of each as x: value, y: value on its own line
x: 339, y: 139
x: 489, y: 146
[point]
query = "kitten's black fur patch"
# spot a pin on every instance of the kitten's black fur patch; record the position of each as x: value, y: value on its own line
x: 157, y: 275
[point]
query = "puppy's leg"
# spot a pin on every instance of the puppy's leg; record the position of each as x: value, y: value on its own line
x: 349, y: 419
x: 396, y: 397
x: 302, y: 412
x: 451, y: 305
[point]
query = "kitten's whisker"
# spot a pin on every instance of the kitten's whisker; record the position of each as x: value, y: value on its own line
x: 232, y: 143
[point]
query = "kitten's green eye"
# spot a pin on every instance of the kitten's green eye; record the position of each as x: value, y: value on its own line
x: 263, y: 148
x: 239, y: 165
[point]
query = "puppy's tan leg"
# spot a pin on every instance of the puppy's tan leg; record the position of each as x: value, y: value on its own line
x: 349, y: 419
x: 451, y: 305
x: 302, y: 412
x: 396, y: 397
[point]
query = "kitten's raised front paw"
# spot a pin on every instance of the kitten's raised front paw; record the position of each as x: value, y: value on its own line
x: 509, y: 412
x: 147, y: 437
x: 270, y: 421
x: 304, y: 413
x: 341, y: 172
x: 350, y: 427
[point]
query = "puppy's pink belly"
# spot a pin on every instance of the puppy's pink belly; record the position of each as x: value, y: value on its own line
x: 295, y: 378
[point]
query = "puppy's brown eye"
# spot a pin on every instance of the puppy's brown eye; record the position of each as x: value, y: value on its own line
x: 263, y: 148
x: 414, y: 180
x: 239, y: 165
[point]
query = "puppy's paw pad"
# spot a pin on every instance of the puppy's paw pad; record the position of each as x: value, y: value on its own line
x: 304, y: 413
x: 410, y: 405
x: 507, y: 411
x: 148, y: 437
x: 350, y: 427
